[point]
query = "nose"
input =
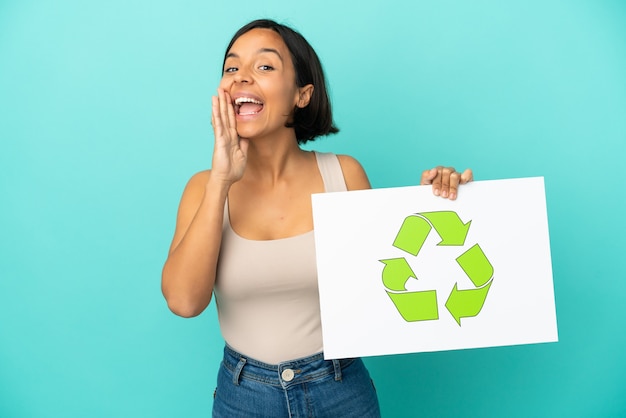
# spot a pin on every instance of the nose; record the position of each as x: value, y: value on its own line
x: 242, y: 76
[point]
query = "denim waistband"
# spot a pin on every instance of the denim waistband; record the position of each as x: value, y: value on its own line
x: 284, y: 374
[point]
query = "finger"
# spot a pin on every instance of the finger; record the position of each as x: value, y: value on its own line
x: 243, y: 144
x: 213, y: 111
x: 232, y: 120
x: 224, y: 108
x: 467, y: 176
x: 445, y: 181
x: 455, y: 179
x: 436, y: 182
x: 428, y: 176
x: 216, y: 120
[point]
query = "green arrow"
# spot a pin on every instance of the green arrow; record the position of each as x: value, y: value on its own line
x: 476, y: 266
x: 449, y: 226
x: 412, y: 234
x: 396, y: 273
x: 416, y: 306
x: 466, y: 303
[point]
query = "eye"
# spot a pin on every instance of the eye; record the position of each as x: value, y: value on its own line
x: 230, y: 69
x: 266, y: 68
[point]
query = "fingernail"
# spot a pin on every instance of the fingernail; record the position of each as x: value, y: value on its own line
x: 444, y: 194
x: 452, y: 196
x: 436, y: 192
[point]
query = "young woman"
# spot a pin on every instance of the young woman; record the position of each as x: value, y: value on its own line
x: 244, y: 232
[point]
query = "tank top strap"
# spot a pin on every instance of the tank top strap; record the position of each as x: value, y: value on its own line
x: 331, y: 172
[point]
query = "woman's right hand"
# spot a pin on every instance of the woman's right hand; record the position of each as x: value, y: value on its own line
x: 230, y: 152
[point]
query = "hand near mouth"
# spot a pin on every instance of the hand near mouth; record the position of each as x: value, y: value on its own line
x: 230, y: 152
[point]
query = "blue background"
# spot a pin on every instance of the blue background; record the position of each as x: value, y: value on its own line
x: 104, y: 115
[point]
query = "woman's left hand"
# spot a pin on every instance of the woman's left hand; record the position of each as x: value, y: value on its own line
x: 446, y: 180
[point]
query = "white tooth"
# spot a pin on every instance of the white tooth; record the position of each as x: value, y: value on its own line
x: 241, y: 100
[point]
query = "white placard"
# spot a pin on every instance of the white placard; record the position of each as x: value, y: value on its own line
x: 403, y: 271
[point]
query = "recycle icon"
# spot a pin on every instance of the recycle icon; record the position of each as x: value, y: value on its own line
x: 422, y: 305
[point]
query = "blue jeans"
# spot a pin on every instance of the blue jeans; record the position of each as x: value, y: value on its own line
x: 307, y: 387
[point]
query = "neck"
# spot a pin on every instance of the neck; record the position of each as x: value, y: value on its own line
x: 271, y: 159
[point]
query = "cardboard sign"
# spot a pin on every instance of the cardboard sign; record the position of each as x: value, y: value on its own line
x: 401, y: 270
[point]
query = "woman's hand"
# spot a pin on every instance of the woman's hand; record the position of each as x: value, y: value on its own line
x: 446, y: 180
x: 230, y: 152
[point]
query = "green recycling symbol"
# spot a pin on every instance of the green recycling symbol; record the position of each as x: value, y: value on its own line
x: 422, y: 305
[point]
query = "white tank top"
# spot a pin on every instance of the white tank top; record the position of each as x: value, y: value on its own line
x: 266, y: 291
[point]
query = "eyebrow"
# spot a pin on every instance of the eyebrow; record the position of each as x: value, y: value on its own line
x: 260, y: 51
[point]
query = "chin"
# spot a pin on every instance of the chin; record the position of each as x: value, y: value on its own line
x: 246, y: 133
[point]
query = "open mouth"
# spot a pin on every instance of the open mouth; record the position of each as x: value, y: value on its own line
x: 247, y: 106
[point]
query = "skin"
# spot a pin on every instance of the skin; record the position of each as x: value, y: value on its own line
x: 259, y: 167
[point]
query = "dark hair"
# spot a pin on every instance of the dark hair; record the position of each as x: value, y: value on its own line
x: 316, y: 119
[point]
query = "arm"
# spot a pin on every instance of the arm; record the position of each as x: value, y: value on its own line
x: 189, y: 271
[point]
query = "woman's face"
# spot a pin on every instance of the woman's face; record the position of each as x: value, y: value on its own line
x: 261, y: 80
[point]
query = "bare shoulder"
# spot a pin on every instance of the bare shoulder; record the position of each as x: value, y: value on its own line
x: 198, y: 180
x: 189, y: 204
x: 194, y: 190
x: 353, y: 173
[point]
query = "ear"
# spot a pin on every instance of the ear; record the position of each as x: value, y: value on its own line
x: 304, y: 96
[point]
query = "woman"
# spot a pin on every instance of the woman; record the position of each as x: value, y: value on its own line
x: 244, y: 233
